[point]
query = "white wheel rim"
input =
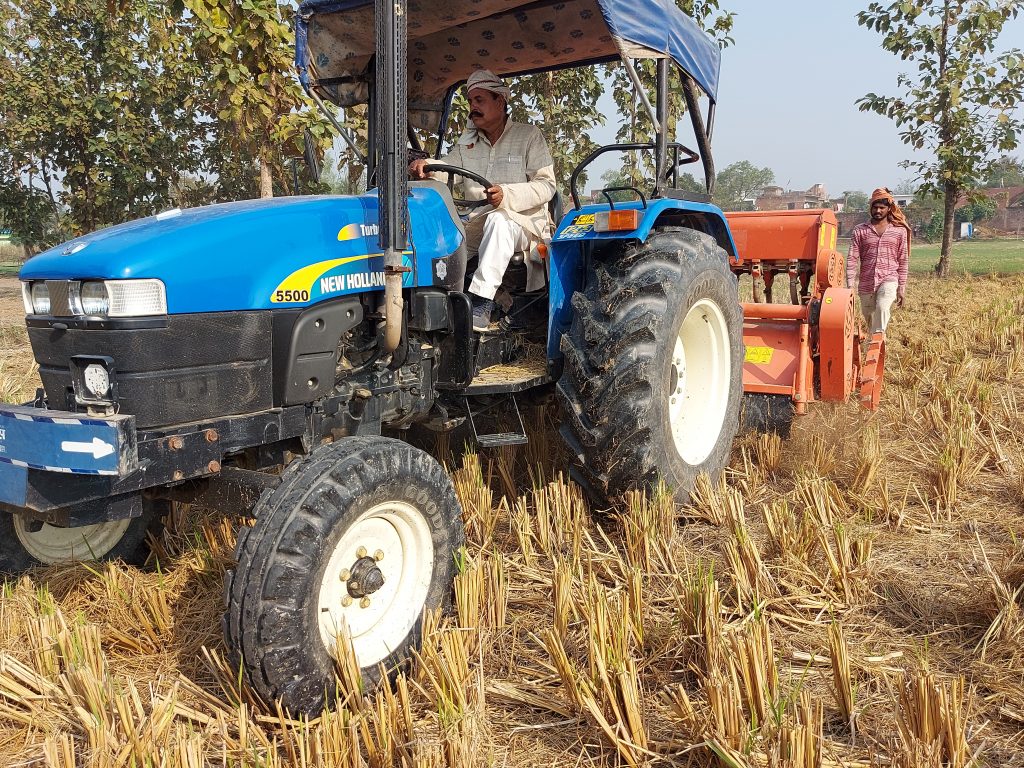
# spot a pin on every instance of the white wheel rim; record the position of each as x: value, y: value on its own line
x: 699, y: 382
x: 51, y: 544
x: 400, y: 533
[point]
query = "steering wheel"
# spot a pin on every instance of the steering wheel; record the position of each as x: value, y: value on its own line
x: 457, y: 171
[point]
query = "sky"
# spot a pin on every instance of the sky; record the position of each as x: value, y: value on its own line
x: 788, y: 91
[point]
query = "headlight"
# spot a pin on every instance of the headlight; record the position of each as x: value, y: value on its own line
x: 136, y: 298
x: 26, y: 296
x: 40, y: 299
x: 94, y: 299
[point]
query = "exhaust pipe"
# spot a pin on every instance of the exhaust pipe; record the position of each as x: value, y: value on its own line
x: 394, y: 304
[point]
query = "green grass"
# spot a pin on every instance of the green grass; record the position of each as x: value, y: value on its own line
x: 975, y: 257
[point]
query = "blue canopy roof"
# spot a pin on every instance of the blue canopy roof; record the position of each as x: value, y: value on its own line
x: 449, y: 39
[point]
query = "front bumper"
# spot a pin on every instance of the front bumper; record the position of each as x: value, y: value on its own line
x: 67, y: 469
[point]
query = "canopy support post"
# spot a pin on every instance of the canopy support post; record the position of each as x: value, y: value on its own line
x: 391, y: 89
x: 635, y: 79
x: 661, y: 151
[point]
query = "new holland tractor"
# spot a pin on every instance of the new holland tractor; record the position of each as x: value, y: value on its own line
x: 252, y: 356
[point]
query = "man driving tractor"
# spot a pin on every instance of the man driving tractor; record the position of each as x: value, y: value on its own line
x: 515, y: 157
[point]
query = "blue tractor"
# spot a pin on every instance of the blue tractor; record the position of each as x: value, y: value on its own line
x: 250, y: 356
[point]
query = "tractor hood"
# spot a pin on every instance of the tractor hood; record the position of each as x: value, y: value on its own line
x: 254, y: 254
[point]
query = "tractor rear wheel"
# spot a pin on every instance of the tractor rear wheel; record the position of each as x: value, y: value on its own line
x: 27, y: 543
x: 361, y: 535
x: 653, y: 367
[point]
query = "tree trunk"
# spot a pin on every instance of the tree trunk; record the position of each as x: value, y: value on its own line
x: 266, y: 182
x: 952, y: 193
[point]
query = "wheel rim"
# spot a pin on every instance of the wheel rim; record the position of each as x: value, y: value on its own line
x: 397, y: 537
x: 51, y: 544
x: 699, y: 382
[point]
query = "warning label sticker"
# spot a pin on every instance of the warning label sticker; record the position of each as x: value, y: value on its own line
x: 759, y: 355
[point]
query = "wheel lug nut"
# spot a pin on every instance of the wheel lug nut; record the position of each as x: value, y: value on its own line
x: 345, y: 575
x: 361, y: 552
x: 378, y: 555
x: 364, y: 603
x: 346, y: 601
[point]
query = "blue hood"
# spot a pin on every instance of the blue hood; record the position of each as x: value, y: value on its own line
x: 254, y: 254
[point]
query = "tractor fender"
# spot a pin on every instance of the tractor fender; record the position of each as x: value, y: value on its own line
x: 575, y: 239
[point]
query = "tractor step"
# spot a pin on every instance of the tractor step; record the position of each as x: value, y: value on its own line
x: 510, y: 377
x: 515, y: 436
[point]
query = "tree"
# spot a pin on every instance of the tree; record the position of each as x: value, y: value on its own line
x: 637, y: 127
x: 855, y: 200
x: 960, y: 102
x: 563, y: 105
x: 1006, y: 172
x: 976, y: 210
x: 96, y: 111
x: 924, y: 214
x: 738, y: 183
x: 260, y: 104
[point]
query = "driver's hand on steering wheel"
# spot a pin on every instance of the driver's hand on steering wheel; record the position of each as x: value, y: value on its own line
x: 416, y: 169
x: 494, y: 195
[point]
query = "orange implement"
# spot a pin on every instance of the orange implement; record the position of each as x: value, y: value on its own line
x: 808, y: 349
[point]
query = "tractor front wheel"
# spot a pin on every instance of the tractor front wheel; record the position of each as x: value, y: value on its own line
x: 27, y: 543
x: 360, y: 539
x: 653, y: 367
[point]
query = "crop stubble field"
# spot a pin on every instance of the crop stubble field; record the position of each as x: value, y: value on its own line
x: 851, y: 596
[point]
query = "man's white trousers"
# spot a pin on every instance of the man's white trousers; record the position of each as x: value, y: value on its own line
x: 501, y: 240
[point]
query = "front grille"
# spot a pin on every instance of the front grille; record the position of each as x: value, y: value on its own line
x: 60, y: 297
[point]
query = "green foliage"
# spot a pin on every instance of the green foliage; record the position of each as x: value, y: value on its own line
x: 960, y: 101
x: 925, y: 216
x: 1006, y: 172
x: 931, y: 230
x: 29, y: 214
x: 564, y: 106
x: 855, y: 200
x: 115, y: 110
x: 260, y: 106
x: 97, y: 109
x: 976, y: 210
x: 739, y: 182
x: 637, y: 126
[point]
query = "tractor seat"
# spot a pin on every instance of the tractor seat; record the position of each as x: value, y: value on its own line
x: 555, y: 211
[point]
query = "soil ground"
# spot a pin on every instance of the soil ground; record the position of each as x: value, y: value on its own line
x: 850, y: 596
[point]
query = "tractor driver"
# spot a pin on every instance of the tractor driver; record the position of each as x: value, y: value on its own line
x: 515, y: 158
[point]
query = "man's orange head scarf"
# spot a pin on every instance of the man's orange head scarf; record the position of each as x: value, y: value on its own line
x: 895, y: 212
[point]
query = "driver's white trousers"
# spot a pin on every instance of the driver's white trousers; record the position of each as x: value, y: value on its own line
x: 500, y: 240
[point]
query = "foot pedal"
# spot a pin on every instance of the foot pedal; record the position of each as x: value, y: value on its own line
x: 495, y: 440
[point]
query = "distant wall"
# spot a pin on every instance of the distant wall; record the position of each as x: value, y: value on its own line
x: 847, y: 221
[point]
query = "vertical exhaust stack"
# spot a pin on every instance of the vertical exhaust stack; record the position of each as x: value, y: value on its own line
x: 391, y: 90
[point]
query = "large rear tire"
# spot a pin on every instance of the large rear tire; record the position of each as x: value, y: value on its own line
x: 653, y: 367
x: 27, y: 543
x: 363, y: 532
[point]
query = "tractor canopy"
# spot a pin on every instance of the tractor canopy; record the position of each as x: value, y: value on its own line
x: 449, y: 39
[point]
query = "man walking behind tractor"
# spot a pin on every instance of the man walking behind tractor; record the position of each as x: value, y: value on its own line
x: 881, y: 250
